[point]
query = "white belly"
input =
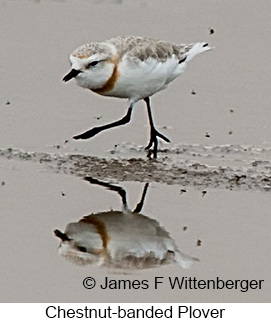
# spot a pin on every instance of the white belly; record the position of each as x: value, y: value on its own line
x: 138, y: 80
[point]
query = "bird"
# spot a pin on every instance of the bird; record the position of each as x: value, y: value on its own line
x: 133, y: 68
x: 123, y: 240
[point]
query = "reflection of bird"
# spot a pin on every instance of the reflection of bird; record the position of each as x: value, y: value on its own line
x: 120, y: 239
x: 133, y: 68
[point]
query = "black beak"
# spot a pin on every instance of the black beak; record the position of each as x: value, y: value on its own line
x: 61, y: 235
x: 73, y: 73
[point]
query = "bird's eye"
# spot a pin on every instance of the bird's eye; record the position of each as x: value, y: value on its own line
x: 82, y: 249
x: 94, y: 63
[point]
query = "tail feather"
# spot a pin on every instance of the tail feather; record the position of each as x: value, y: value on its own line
x: 196, y: 49
x: 185, y: 261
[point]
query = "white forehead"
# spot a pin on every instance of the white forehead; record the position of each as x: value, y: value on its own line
x: 77, y: 63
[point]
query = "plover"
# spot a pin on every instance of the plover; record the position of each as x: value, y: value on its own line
x: 120, y: 239
x: 133, y: 68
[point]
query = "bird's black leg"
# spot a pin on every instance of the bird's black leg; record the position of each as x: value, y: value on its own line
x: 141, y: 202
x: 154, y: 133
x: 94, y: 131
x: 111, y: 187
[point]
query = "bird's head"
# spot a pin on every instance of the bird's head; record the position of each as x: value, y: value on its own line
x: 92, y: 65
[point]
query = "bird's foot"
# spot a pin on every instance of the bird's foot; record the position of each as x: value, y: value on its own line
x: 94, y: 131
x: 88, y: 134
x: 154, y: 142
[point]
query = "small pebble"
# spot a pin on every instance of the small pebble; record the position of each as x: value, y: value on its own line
x: 211, y: 31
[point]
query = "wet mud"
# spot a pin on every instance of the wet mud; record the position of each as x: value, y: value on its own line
x: 226, y: 167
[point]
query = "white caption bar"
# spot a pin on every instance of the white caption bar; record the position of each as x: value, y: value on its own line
x: 53, y: 312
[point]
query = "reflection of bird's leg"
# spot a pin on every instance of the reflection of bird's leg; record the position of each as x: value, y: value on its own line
x: 154, y: 133
x: 111, y: 187
x: 141, y: 202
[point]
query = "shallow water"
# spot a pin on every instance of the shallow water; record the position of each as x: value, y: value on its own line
x: 210, y: 187
x: 216, y: 217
